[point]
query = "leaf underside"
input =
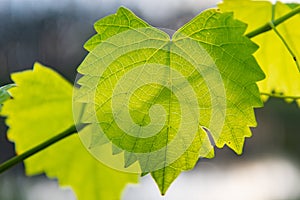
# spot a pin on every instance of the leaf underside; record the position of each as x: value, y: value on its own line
x: 213, y: 43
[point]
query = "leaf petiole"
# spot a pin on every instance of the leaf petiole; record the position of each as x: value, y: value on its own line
x: 266, y: 27
x: 282, y: 39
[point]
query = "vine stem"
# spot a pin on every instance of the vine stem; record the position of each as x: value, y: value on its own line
x: 19, y: 158
x: 279, y: 96
x: 266, y: 27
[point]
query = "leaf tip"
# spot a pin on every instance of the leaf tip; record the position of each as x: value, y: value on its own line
x: 123, y: 9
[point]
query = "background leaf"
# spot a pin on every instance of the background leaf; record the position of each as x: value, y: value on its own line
x: 282, y: 75
x: 42, y: 108
x: 4, y: 94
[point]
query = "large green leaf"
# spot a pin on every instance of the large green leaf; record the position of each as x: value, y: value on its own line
x: 42, y: 108
x: 282, y: 75
x: 149, y: 98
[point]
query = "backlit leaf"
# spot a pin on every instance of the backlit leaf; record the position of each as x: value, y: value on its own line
x: 282, y: 75
x: 42, y: 108
x: 150, y: 98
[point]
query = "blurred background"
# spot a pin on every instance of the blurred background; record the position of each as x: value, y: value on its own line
x: 53, y: 33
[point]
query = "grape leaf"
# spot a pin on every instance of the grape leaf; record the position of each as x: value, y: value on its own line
x: 282, y: 75
x: 111, y: 25
x: 42, y: 108
x: 137, y: 83
x: 127, y: 20
x: 4, y: 94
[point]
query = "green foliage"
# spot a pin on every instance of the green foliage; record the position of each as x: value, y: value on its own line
x: 4, y: 94
x: 42, y: 108
x: 151, y: 102
x: 282, y: 75
x: 214, y: 61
